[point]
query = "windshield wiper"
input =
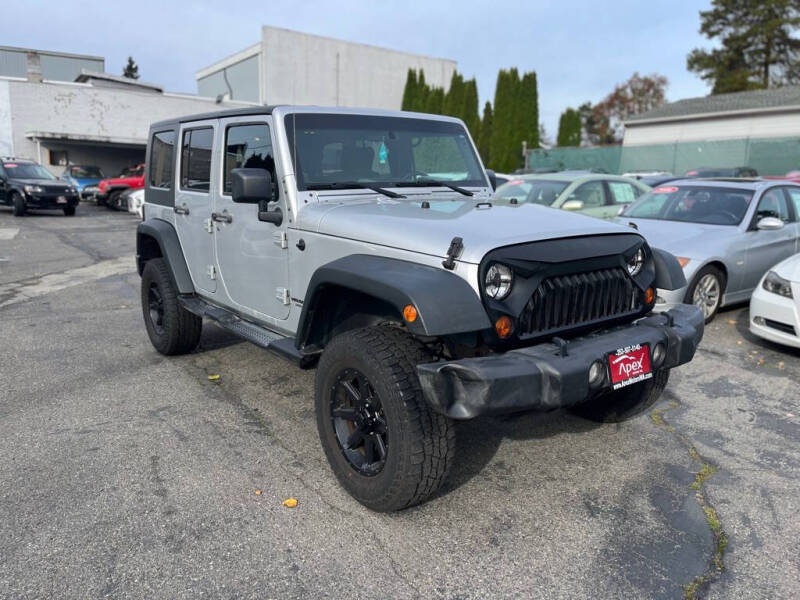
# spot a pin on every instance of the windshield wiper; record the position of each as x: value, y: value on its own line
x: 343, y: 185
x: 434, y: 182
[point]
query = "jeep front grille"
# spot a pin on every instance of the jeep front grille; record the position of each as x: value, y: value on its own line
x: 568, y: 301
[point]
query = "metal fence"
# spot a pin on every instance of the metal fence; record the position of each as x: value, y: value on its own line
x: 769, y: 156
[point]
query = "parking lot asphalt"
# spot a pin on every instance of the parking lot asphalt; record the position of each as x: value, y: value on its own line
x: 127, y: 474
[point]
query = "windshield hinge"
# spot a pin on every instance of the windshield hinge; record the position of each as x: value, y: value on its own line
x: 453, y: 252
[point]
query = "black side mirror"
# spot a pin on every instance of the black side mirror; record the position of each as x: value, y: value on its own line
x: 255, y: 186
x: 492, y: 178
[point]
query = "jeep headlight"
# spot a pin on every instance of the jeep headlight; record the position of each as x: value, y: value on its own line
x: 499, y: 279
x: 33, y: 189
x: 636, y: 262
x: 777, y: 285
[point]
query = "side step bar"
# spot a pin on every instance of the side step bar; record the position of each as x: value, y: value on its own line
x: 252, y: 332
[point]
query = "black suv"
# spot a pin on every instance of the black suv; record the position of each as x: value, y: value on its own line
x: 25, y: 185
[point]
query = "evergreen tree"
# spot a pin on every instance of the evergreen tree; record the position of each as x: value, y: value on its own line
x: 423, y: 91
x: 529, y: 107
x: 454, y: 99
x: 470, y: 114
x: 410, y: 91
x: 569, y: 128
x: 501, y: 120
x: 131, y: 70
x: 485, y: 134
x: 434, y: 101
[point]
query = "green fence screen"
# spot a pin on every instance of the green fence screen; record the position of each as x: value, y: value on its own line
x: 773, y: 156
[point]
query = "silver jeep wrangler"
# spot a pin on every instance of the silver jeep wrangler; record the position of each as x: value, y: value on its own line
x: 368, y: 243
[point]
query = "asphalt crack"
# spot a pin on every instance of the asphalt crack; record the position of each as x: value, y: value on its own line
x: 716, y: 564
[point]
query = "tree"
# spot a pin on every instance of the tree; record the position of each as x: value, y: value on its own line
x: 470, y: 114
x: 527, y: 117
x: 434, y: 101
x: 131, y: 70
x: 454, y: 99
x: 501, y: 148
x: 637, y: 95
x: 569, y: 128
x: 485, y: 135
x: 410, y: 91
x: 757, y: 46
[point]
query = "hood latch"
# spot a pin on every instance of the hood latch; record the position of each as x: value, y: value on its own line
x: 453, y: 252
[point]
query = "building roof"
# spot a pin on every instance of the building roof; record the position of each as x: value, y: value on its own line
x: 737, y: 102
x: 53, y: 53
x: 116, y: 80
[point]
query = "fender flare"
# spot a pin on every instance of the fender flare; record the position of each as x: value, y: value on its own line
x: 166, y: 237
x: 446, y: 304
x: 669, y: 273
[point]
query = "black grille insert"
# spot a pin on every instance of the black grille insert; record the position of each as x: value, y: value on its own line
x: 568, y: 301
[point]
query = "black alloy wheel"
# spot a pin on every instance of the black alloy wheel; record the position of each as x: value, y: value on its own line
x: 155, y: 303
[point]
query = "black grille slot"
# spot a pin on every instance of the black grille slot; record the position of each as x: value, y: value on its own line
x: 568, y: 301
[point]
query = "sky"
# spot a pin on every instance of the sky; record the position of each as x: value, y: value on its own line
x: 579, y: 48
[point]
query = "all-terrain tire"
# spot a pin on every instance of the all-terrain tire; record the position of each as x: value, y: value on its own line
x: 708, y: 273
x: 621, y: 405
x: 172, y: 328
x: 69, y: 211
x: 18, y: 202
x: 420, y: 443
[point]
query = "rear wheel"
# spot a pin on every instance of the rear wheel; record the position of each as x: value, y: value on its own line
x: 69, y: 211
x: 706, y: 291
x: 387, y: 448
x: 621, y: 405
x: 18, y: 202
x: 172, y: 328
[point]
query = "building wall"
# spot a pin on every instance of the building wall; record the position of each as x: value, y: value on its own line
x: 299, y: 68
x: 768, y: 125
x: 54, y: 66
x: 242, y: 77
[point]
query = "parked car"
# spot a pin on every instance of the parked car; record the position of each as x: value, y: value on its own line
x: 601, y: 196
x: 657, y: 180
x: 134, y: 200
x: 110, y: 190
x: 640, y: 175
x: 726, y: 235
x: 80, y: 176
x: 419, y: 299
x: 502, y: 179
x: 26, y: 185
x: 775, y: 305
x: 722, y: 172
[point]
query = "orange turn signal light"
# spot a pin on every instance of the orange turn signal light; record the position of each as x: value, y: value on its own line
x: 503, y: 326
x: 649, y: 295
x: 410, y: 313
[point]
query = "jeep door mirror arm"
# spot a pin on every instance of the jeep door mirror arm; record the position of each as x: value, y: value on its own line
x: 274, y: 216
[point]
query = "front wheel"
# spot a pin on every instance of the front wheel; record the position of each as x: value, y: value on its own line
x: 621, y: 405
x: 706, y: 291
x: 386, y: 446
x: 113, y: 201
x: 18, y: 202
x: 69, y: 211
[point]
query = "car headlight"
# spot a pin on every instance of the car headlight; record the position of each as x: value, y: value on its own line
x: 33, y: 189
x: 777, y: 285
x: 499, y: 279
x: 636, y: 262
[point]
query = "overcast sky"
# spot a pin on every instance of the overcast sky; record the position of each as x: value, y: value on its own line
x: 579, y: 48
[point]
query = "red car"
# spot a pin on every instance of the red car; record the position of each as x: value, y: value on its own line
x: 111, y: 189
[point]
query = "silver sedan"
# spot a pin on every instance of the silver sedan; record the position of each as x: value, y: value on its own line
x: 725, y: 233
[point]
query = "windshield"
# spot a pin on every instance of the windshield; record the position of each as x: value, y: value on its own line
x: 331, y: 149
x: 131, y: 172
x: 86, y: 172
x: 535, y: 191
x: 693, y: 204
x: 27, y: 171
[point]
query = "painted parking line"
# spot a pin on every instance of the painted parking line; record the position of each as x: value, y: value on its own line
x: 8, y: 233
x: 20, y: 292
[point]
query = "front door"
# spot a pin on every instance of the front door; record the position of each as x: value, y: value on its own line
x: 194, y: 181
x: 765, y: 249
x: 794, y: 202
x: 593, y: 196
x: 252, y: 255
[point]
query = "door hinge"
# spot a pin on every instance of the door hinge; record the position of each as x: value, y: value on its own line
x: 209, y: 225
x: 283, y: 295
x: 280, y: 238
x: 212, y: 272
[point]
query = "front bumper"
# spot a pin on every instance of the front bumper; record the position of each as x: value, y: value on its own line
x: 541, y: 378
x: 667, y: 299
x: 50, y: 201
x: 776, y: 318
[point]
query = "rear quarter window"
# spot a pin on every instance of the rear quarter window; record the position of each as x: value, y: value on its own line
x: 162, y: 150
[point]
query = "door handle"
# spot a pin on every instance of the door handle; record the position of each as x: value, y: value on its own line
x: 222, y: 217
x: 181, y: 210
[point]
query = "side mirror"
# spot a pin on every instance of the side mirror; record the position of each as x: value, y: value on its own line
x: 251, y: 186
x: 492, y: 178
x: 770, y: 224
x: 572, y: 205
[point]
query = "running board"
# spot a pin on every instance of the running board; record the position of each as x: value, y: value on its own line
x: 252, y: 332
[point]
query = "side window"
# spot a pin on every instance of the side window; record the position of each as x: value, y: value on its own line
x: 622, y: 192
x: 248, y: 146
x: 773, y: 204
x: 196, y: 159
x: 590, y: 193
x: 794, y: 197
x: 162, y: 147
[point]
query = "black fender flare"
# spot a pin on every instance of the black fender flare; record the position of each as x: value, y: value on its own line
x: 164, y: 234
x: 446, y: 304
x: 669, y: 273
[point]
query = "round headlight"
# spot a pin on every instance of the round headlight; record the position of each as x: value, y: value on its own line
x: 636, y: 263
x: 499, y: 279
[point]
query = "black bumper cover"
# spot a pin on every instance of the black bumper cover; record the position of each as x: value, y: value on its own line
x: 540, y: 378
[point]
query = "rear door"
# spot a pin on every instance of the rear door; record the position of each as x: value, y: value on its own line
x: 620, y: 195
x: 794, y: 202
x: 252, y: 255
x: 767, y: 248
x: 195, y: 176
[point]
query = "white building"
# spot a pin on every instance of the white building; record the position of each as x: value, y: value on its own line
x: 289, y: 67
x: 79, y: 116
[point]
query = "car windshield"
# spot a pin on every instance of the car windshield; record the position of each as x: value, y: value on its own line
x: 86, y: 172
x: 27, y: 171
x: 535, y: 191
x: 332, y: 150
x: 131, y: 172
x: 693, y: 204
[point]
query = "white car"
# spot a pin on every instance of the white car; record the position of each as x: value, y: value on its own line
x: 136, y: 201
x: 775, y: 304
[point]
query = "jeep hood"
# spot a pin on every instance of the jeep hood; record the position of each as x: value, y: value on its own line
x: 405, y: 224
